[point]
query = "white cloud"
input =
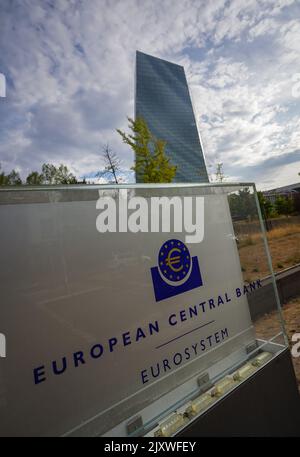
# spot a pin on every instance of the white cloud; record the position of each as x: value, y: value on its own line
x: 70, y: 71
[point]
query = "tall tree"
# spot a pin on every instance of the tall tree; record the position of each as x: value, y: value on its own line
x: 14, y: 178
x: 284, y: 205
x: 10, y: 179
x: 112, y: 164
x: 3, y: 178
x: 34, y: 178
x: 266, y: 206
x: 57, y: 175
x: 242, y: 204
x: 151, y: 162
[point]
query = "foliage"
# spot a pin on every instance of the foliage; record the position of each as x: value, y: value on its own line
x: 242, y: 204
x: 34, y: 179
x: 11, y: 179
x: 50, y: 175
x: 266, y: 206
x: 151, y: 163
x: 284, y: 205
x: 57, y: 175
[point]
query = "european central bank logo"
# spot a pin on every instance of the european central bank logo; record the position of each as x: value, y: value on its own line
x: 176, y: 272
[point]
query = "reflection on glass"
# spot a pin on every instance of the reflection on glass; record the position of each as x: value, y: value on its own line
x: 99, y: 347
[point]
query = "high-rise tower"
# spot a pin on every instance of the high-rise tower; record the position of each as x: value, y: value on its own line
x: 162, y: 98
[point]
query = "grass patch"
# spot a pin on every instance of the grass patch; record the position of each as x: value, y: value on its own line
x: 284, y: 246
x: 276, y: 233
x: 281, y: 232
x: 294, y: 259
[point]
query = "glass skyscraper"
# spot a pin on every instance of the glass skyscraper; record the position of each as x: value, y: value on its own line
x: 162, y: 98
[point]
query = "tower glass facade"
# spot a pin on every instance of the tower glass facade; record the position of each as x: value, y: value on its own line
x: 162, y: 98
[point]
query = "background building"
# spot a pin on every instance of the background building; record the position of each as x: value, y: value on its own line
x: 162, y: 98
x: 290, y: 191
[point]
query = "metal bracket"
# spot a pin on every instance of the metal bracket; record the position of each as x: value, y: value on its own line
x: 251, y: 347
x: 134, y: 424
x: 204, y: 382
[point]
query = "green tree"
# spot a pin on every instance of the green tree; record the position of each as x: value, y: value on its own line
x: 11, y: 179
x: 50, y: 175
x: 242, y: 204
x: 34, y: 178
x: 266, y: 206
x: 151, y: 163
x: 284, y: 205
x: 269, y: 208
x: 64, y: 176
x: 57, y: 175
x: 14, y: 178
x: 3, y: 178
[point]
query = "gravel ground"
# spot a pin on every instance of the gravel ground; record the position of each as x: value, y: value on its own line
x: 268, y: 325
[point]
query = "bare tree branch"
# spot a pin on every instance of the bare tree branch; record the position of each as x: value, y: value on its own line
x: 112, y: 164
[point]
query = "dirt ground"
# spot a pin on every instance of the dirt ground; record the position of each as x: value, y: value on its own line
x: 268, y: 325
x: 285, y: 252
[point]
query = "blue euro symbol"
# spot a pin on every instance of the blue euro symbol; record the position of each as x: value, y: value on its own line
x: 176, y: 272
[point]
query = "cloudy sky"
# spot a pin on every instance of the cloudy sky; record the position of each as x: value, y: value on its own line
x: 69, y: 66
